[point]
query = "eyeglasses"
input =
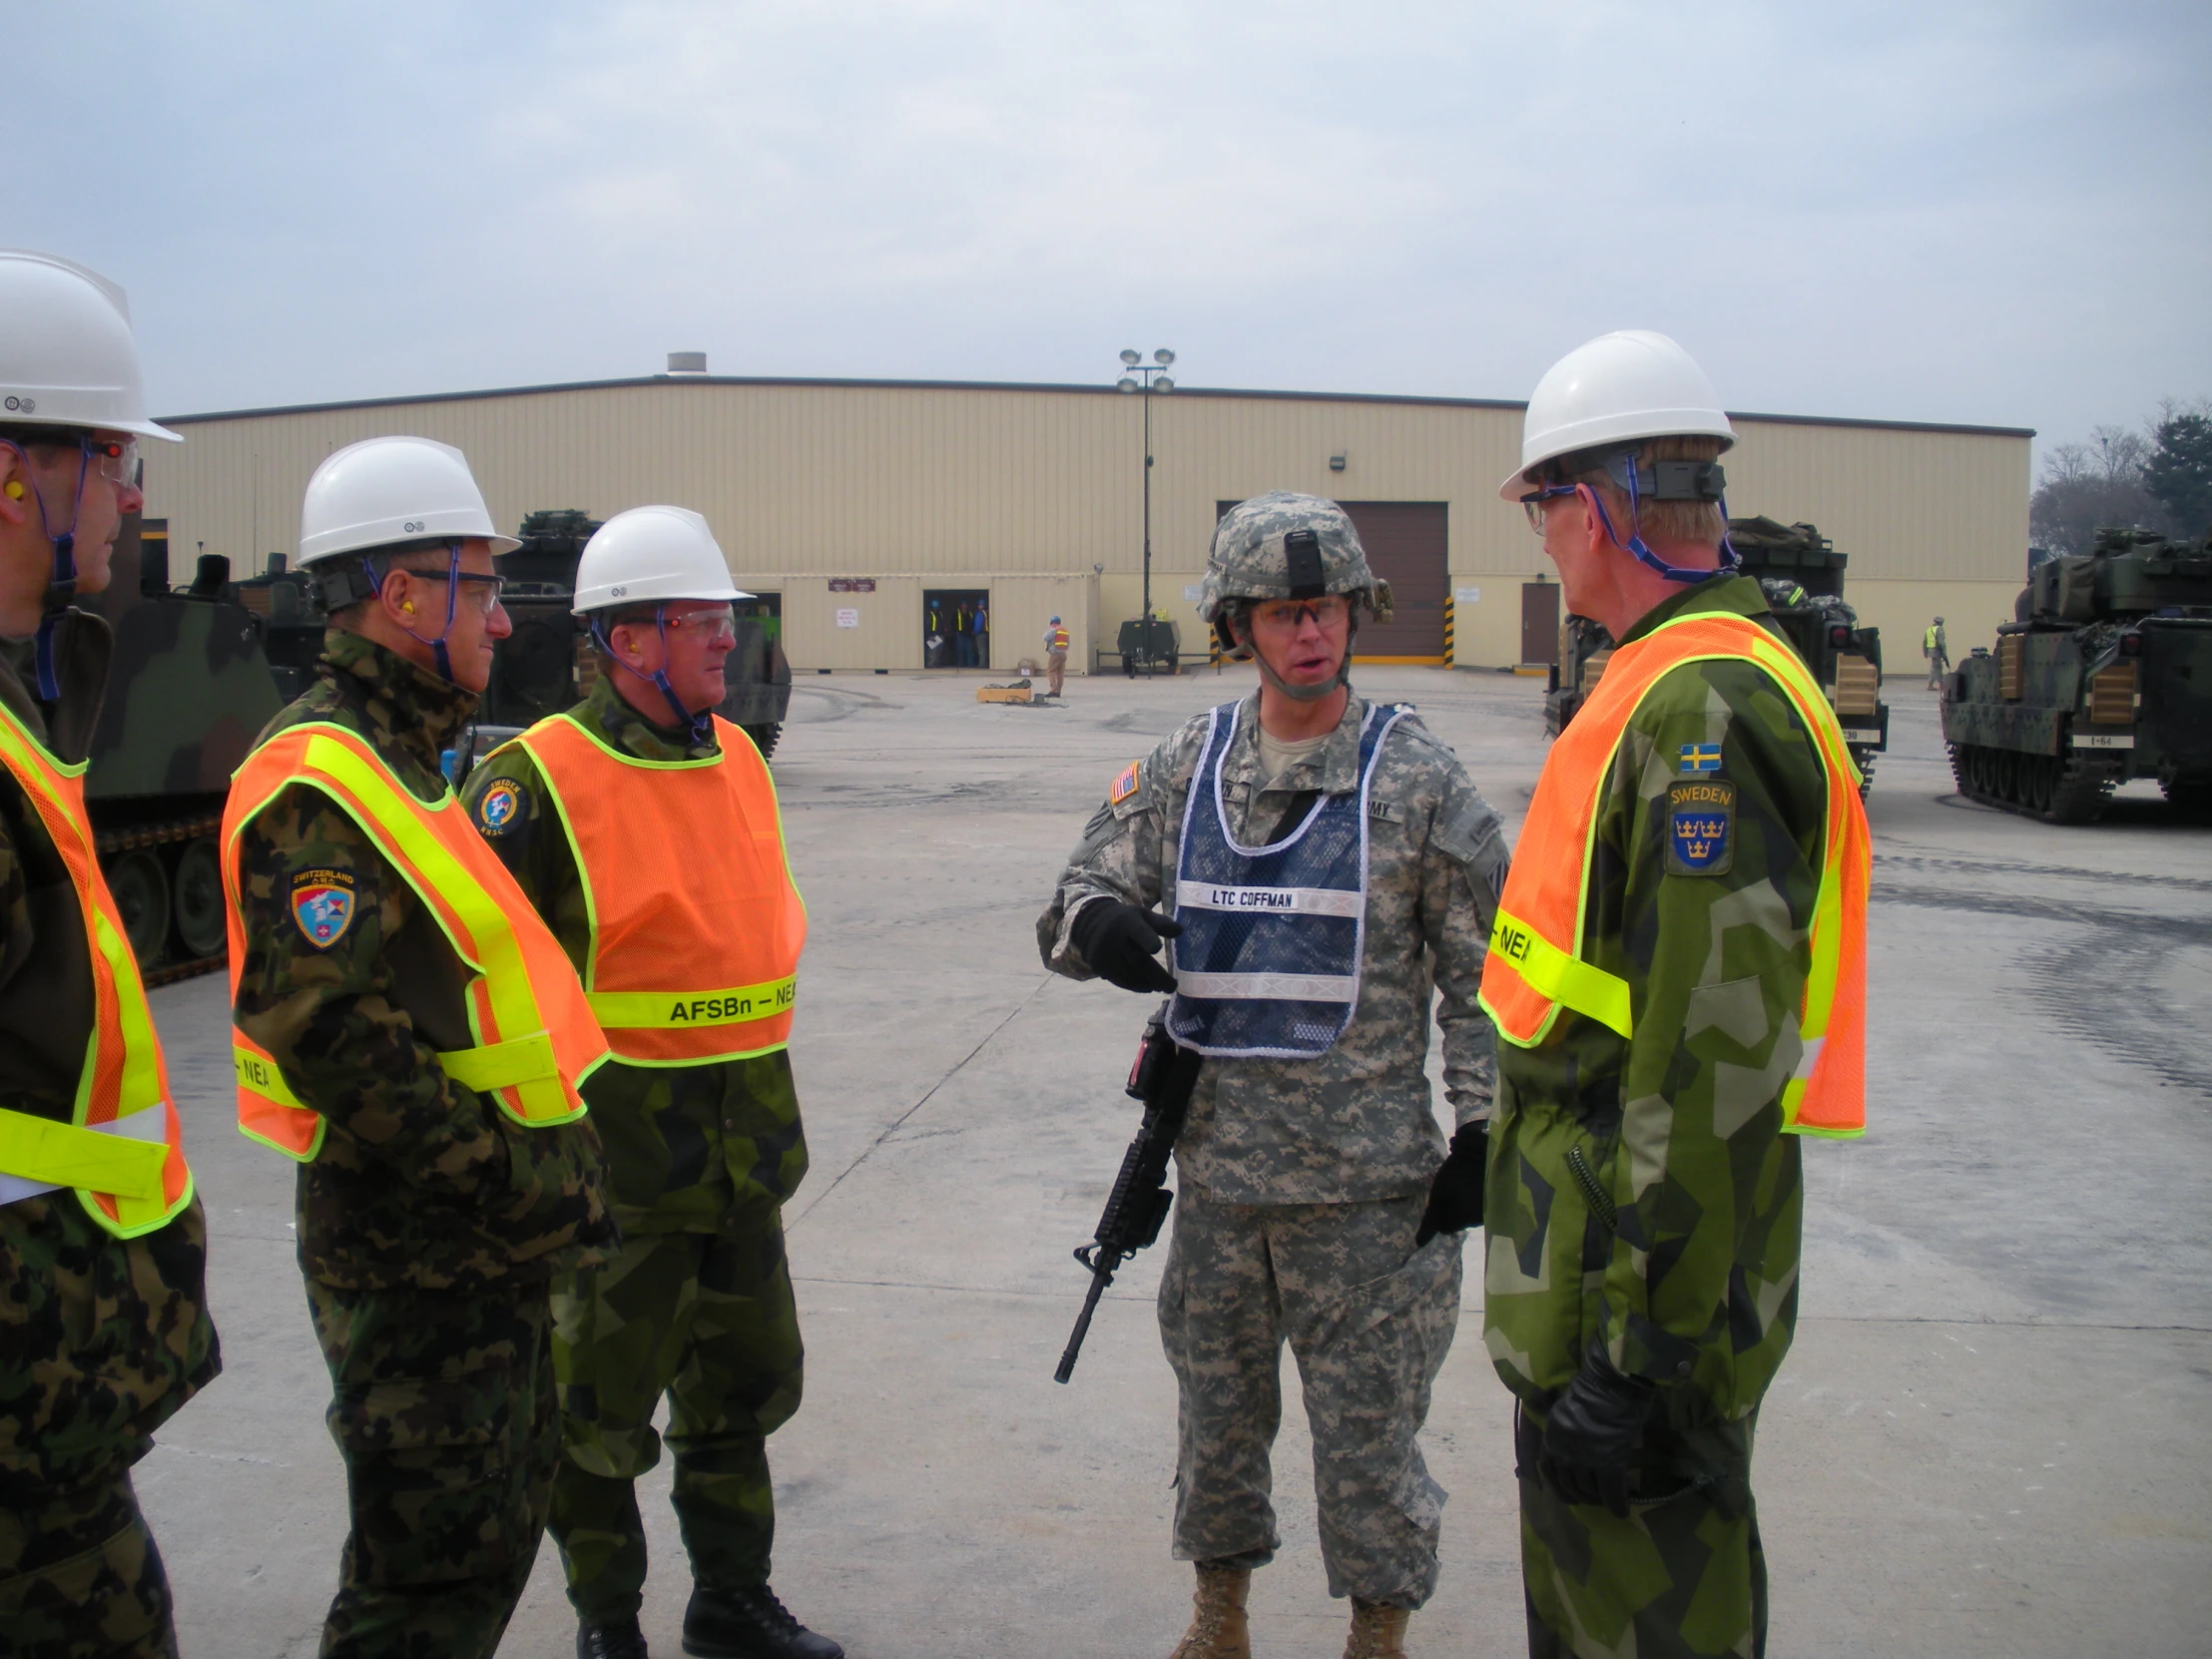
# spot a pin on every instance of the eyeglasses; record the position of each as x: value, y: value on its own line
x: 1332, y: 610
x: 114, y: 459
x: 714, y: 625
x: 1533, y: 503
x: 482, y: 591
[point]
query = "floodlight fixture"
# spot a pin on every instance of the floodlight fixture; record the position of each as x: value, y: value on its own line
x: 1125, y: 384
x: 1163, y: 357
x: 1132, y: 358
x: 1160, y: 382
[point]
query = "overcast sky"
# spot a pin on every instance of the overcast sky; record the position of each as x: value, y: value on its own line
x: 1939, y: 212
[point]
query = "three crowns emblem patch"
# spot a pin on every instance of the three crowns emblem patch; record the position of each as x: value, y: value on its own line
x: 1701, y: 826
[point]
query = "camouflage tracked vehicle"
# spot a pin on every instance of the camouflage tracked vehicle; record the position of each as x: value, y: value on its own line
x: 2106, y: 675
x: 189, y: 693
x: 1803, y: 576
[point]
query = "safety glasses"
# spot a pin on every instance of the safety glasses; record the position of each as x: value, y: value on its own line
x: 480, y: 591
x: 1332, y: 610
x: 714, y: 625
x: 114, y: 459
x: 1533, y: 503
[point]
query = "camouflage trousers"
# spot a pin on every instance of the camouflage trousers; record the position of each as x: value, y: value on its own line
x: 1683, y: 1577
x: 442, y: 1406
x: 80, y: 1578
x: 1370, y: 1320
x: 709, y: 1321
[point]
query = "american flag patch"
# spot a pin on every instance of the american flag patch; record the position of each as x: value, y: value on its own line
x: 1124, y: 787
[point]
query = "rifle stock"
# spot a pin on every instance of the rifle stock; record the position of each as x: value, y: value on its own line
x: 1163, y: 1079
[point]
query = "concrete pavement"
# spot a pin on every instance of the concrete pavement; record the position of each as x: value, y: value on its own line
x: 1992, y: 1435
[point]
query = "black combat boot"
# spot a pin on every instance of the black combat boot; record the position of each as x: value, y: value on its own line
x: 610, y: 1639
x: 749, y: 1625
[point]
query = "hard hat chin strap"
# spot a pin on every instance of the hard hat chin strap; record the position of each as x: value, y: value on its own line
x: 438, y: 651
x: 61, y: 583
x: 701, y: 726
x: 1731, y: 560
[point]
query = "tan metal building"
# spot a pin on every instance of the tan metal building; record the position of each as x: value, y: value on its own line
x: 874, y: 510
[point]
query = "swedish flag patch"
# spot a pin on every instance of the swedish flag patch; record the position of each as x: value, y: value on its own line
x: 1701, y: 757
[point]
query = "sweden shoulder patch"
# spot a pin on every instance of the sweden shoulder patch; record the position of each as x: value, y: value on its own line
x: 1701, y: 757
x: 1125, y: 786
x: 1701, y: 827
x: 500, y: 810
x: 323, y: 904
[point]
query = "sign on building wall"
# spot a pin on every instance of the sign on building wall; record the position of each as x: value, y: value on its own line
x: 1468, y: 596
x: 852, y: 584
x: 849, y: 618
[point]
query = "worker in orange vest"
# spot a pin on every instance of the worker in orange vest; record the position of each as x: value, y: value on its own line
x: 104, y: 1327
x: 645, y: 830
x: 1677, y: 976
x: 407, y: 1031
x: 1055, y: 656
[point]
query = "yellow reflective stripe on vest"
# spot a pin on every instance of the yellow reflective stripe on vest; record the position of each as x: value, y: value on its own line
x: 662, y: 1009
x: 494, y: 1066
x: 506, y: 976
x: 106, y: 1160
x: 1562, y: 978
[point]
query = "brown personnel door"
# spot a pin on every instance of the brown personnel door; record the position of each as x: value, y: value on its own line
x: 1539, y: 622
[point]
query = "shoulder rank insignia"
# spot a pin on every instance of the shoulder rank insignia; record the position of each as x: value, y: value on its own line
x: 1125, y: 786
x: 1701, y: 826
x: 322, y: 903
x: 1701, y: 757
x: 501, y: 806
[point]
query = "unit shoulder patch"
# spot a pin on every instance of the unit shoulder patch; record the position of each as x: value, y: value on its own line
x: 1701, y: 826
x: 500, y: 808
x: 1125, y: 786
x: 324, y: 904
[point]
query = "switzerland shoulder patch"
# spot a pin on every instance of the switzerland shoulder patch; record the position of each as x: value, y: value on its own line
x: 324, y: 904
x: 1125, y: 786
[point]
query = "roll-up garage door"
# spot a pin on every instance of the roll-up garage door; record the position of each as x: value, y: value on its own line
x: 1407, y: 546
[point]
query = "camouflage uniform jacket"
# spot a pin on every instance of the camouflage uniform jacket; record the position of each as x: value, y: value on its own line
x: 101, y: 1339
x: 1678, y: 1129
x: 1354, y: 1123
x: 682, y: 1142
x: 421, y: 1181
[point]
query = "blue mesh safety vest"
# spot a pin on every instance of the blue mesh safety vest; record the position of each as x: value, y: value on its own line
x: 1268, y: 965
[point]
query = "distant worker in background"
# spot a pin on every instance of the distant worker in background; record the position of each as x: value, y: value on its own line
x: 1317, y: 1203
x: 1938, y: 651
x: 1678, y: 978
x: 104, y: 1327
x: 410, y: 1032
x: 645, y: 830
x: 1055, y: 656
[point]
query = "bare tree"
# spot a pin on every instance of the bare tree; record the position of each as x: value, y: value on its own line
x: 2085, y: 486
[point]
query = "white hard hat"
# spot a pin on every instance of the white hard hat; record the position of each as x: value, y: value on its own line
x: 1617, y: 390
x: 652, y: 553
x: 385, y: 490
x: 66, y: 353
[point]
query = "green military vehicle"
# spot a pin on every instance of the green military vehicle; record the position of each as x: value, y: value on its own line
x: 1802, y: 577
x: 2104, y: 676
x: 190, y: 691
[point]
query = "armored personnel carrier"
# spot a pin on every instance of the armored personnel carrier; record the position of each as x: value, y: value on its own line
x: 190, y: 691
x: 2104, y: 675
x: 1802, y: 577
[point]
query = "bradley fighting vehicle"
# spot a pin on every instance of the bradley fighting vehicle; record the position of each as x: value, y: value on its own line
x: 200, y: 669
x: 1803, y: 576
x: 2104, y: 676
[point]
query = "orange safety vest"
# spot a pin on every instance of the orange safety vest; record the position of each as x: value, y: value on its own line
x: 536, y: 1039
x: 1538, y: 961
x: 122, y: 1150
x: 696, y: 922
x: 1060, y: 639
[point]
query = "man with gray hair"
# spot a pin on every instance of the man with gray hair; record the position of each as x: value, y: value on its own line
x: 1327, y: 874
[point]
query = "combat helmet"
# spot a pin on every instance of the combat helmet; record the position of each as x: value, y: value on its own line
x: 1284, y: 545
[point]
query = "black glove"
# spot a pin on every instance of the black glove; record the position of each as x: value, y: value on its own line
x: 1455, y: 1196
x: 1123, y: 943
x: 1593, y: 1432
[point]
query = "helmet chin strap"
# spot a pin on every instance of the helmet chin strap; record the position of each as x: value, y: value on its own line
x: 702, y: 725
x: 1731, y: 560
x: 1321, y: 689
x: 61, y: 583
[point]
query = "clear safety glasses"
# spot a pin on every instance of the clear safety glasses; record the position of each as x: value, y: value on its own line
x: 1332, y: 610
x: 715, y: 625
x: 480, y: 591
x: 114, y: 459
x: 1533, y: 504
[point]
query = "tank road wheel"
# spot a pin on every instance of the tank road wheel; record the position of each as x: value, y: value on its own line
x: 200, y: 924
x: 2043, y: 782
x: 141, y: 888
x: 763, y: 737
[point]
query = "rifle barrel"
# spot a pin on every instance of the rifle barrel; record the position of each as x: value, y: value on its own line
x: 1100, y: 1279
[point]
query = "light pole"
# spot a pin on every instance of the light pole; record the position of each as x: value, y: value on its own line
x: 1155, y: 379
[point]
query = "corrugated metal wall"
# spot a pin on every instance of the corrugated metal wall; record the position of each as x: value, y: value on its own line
x: 891, y: 480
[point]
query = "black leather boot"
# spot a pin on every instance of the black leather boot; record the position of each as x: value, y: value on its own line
x: 749, y: 1625
x: 610, y: 1639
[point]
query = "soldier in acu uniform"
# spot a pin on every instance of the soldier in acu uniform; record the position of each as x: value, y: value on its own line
x: 1677, y: 971
x: 645, y: 830
x: 1332, y: 875
x: 104, y: 1328
x: 409, y: 1030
